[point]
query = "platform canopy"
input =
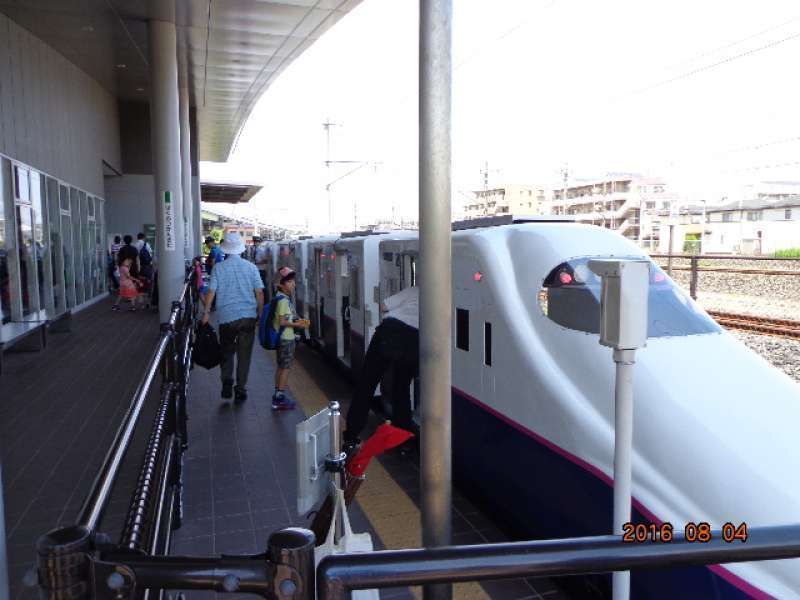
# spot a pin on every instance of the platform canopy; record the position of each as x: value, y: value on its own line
x: 230, y: 50
x: 229, y: 193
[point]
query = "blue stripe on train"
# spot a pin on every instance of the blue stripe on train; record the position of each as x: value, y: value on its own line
x: 539, y: 494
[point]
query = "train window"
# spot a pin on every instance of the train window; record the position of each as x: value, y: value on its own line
x: 570, y: 296
x: 462, y: 329
x: 487, y: 344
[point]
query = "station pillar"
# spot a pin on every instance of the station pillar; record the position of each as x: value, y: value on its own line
x: 166, y: 142
x: 189, y: 250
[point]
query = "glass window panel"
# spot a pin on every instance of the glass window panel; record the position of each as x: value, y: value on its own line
x: 56, y: 255
x: 86, y: 245
x: 27, y: 258
x: 5, y: 284
x: 66, y: 247
x: 77, y: 253
x: 39, y: 242
x: 100, y: 247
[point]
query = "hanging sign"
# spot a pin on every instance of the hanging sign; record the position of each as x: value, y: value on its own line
x: 169, y: 222
x: 187, y: 243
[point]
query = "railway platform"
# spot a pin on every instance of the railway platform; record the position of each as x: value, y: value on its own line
x: 60, y: 411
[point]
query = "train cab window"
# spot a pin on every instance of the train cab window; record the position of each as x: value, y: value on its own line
x: 487, y: 344
x: 570, y: 296
x: 462, y: 329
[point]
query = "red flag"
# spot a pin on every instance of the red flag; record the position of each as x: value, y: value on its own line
x: 385, y: 437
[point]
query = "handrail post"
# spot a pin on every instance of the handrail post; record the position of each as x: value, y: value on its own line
x: 290, y: 553
x: 693, y: 278
x: 63, y: 563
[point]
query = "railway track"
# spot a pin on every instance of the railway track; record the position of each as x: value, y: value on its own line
x: 778, y: 327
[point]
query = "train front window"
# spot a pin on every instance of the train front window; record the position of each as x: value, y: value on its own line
x: 570, y: 296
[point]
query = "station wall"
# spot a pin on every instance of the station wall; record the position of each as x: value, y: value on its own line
x: 53, y: 116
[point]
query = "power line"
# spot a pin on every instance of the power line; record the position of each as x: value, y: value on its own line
x: 707, y: 67
x: 734, y: 43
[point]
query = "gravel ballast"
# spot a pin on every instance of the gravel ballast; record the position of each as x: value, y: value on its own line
x: 782, y: 353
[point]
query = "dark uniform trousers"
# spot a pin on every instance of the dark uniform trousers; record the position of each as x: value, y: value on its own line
x: 395, y: 345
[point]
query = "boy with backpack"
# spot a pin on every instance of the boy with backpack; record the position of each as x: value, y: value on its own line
x: 277, y: 331
x: 145, y: 258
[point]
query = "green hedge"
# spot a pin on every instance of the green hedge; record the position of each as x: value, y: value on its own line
x: 788, y: 253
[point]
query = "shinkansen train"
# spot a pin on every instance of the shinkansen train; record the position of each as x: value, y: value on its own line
x: 715, y: 425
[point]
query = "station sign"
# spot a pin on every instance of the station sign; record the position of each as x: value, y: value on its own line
x: 169, y: 222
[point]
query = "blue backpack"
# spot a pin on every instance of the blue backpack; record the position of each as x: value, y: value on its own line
x: 145, y: 258
x: 268, y: 336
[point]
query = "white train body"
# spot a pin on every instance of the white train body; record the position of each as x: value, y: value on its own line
x: 715, y: 426
x: 345, y: 275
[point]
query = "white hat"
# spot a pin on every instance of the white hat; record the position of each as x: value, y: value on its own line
x: 232, y: 243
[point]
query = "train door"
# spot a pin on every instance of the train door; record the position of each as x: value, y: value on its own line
x: 357, y: 304
x: 468, y: 325
x: 342, y: 296
x: 330, y: 306
x: 315, y: 283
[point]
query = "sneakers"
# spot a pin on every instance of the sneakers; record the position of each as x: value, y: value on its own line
x: 227, y: 389
x: 281, y: 402
x: 115, y: 308
x: 239, y: 394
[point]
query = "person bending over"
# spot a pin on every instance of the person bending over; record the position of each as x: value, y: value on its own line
x: 395, y: 346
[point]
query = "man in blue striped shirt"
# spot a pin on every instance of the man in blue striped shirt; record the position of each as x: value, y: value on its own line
x: 237, y: 286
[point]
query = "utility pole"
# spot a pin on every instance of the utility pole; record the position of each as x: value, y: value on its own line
x: 327, y: 125
x: 329, y: 164
x: 565, y: 175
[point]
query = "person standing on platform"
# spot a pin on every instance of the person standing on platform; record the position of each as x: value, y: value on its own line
x: 286, y: 321
x: 113, y: 269
x: 215, y: 255
x: 260, y: 258
x: 395, y: 345
x: 128, y: 250
x: 236, y: 286
x: 128, y: 285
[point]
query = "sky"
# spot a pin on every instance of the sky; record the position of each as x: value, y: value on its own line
x: 702, y: 93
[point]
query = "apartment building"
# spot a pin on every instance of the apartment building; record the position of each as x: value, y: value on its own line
x: 508, y: 199
x: 627, y: 203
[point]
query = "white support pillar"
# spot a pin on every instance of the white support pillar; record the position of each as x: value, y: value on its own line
x: 198, y: 224
x: 166, y: 142
x: 189, y: 250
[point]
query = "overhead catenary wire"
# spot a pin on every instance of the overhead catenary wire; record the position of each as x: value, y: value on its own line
x: 705, y: 68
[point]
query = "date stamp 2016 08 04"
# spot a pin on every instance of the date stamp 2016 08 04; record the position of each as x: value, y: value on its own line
x: 692, y: 532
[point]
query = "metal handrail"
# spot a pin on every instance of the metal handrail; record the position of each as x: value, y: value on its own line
x: 721, y: 257
x: 149, y: 485
x: 98, y: 497
x: 338, y: 575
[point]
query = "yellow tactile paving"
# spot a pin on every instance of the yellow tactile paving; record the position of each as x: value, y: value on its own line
x: 393, y: 514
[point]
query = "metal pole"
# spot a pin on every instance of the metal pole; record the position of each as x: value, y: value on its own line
x: 339, y: 574
x: 186, y: 168
x: 623, y: 444
x: 435, y: 72
x: 693, y: 278
x: 166, y: 138
x: 98, y: 497
x: 669, y: 258
x: 337, y: 459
